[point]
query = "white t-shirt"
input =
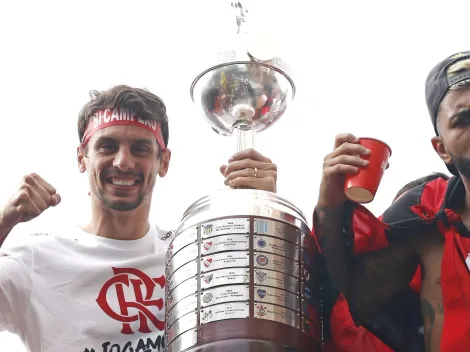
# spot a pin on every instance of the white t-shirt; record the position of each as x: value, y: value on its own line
x: 85, y: 293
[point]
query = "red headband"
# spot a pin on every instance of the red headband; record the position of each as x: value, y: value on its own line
x: 121, y: 116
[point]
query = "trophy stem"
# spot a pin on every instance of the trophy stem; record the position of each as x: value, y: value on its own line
x: 244, y: 134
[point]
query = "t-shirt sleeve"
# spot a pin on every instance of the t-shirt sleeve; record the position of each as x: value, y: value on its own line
x: 15, y: 284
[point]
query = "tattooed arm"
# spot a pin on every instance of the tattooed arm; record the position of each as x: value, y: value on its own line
x: 367, y: 281
x: 433, y: 320
x: 429, y: 316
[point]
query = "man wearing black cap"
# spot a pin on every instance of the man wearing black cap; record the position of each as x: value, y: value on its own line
x: 448, y: 100
x: 427, y: 225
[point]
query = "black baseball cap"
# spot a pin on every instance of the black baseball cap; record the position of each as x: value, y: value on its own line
x: 437, y: 85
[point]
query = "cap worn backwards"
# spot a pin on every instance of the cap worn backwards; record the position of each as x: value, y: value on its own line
x: 438, y: 83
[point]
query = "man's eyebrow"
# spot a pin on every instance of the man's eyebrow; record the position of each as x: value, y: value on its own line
x: 104, y: 139
x: 459, y: 113
x: 143, y: 141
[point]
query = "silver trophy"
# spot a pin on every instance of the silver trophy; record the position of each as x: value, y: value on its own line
x: 240, y: 270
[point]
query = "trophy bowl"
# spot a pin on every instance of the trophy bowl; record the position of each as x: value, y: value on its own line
x: 243, y: 90
x: 245, y: 87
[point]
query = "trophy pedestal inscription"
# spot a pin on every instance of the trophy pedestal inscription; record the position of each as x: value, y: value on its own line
x: 240, y: 277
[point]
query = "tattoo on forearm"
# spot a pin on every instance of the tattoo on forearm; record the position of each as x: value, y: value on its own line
x: 428, y: 314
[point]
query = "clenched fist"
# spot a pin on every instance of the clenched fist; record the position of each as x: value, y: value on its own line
x: 33, y: 197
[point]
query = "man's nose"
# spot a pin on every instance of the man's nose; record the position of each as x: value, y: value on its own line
x: 124, y: 160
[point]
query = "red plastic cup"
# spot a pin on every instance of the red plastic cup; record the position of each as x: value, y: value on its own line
x: 362, y: 186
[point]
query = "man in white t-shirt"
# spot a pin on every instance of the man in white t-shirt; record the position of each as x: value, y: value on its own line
x: 100, y: 287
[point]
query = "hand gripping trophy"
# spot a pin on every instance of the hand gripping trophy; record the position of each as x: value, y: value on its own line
x: 240, y: 274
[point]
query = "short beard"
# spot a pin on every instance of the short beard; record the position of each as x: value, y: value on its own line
x: 462, y: 165
x: 119, y: 205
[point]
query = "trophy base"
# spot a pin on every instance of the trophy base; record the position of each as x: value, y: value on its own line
x: 240, y: 277
x: 248, y: 345
x: 253, y: 335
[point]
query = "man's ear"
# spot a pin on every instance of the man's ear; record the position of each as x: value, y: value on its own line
x: 164, y: 163
x: 81, y: 154
x: 441, y: 150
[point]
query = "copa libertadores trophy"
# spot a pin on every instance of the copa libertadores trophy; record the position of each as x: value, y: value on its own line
x: 239, y: 270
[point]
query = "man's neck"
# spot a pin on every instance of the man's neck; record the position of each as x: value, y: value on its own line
x: 119, y: 225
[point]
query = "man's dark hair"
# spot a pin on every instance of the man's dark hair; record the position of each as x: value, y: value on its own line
x: 420, y: 181
x: 143, y: 103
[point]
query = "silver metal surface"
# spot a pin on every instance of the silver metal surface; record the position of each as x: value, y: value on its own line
x: 276, y: 246
x: 277, y: 313
x: 185, y: 289
x: 182, y: 274
x: 240, y: 90
x: 225, y: 277
x: 187, y: 254
x: 245, y: 202
x: 225, y: 226
x: 224, y: 260
x: 223, y: 294
x: 186, y: 340
x: 232, y: 310
x: 183, y: 307
x: 181, y: 240
x: 266, y: 294
x: 225, y: 243
x: 276, y: 262
x: 277, y: 280
x: 276, y: 229
x: 184, y: 323
x: 245, y: 80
